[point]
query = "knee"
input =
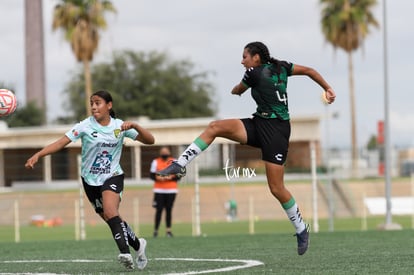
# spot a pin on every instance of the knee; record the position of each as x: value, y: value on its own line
x: 109, y: 214
x: 277, y: 190
x: 214, y: 126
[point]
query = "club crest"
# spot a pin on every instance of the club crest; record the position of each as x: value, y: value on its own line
x: 117, y: 132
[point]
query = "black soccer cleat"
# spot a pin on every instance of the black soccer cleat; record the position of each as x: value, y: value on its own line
x: 173, y: 169
x: 303, y: 240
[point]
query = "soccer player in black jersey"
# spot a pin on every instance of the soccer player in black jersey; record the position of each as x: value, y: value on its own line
x: 268, y: 129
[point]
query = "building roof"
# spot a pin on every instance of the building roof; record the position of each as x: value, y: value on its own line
x: 165, y: 131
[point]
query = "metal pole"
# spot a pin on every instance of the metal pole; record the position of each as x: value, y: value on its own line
x: 387, y: 149
x: 81, y: 203
x: 314, y: 188
x: 251, y: 215
x: 329, y: 171
x: 16, y: 222
x: 388, y: 218
x: 412, y: 200
x: 136, y: 216
x: 197, y: 201
x: 77, y: 226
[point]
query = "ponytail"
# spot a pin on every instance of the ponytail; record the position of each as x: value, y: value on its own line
x: 112, y: 113
x: 262, y: 50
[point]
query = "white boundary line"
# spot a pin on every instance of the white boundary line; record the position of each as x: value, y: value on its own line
x: 53, y: 261
x: 34, y: 273
x: 243, y: 264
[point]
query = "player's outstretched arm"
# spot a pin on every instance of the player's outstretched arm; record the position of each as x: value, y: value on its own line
x: 144, y: 136
x: 239, y: 89
x: 49, y: 149
x: 317, y: 77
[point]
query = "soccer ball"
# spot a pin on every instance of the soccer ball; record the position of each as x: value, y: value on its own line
x: 8, y: 102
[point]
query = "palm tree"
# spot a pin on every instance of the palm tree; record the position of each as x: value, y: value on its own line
x: 81, y: 20
x: 345, y: 25
x: 34, y: 56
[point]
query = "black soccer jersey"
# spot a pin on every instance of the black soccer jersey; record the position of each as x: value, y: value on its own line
x: 268, y: 89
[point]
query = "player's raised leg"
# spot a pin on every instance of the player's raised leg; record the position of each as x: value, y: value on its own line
x: 232, y: 129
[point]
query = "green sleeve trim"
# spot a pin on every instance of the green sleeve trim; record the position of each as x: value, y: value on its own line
x: 245, y: 85
x: 201, y: 143
x: 289, y: 204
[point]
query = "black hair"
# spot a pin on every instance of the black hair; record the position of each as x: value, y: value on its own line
x: 262, y: 50
x: 107, y: 97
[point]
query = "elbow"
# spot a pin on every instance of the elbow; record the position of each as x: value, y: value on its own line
x: 311, y: 72
x: 147, y: 140
x: 150, y: 140
x: 239, y: 89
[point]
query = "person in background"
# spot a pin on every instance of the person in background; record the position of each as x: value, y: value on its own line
x: 165, y: 190
x: 268, y: 129
x: 102, y: 137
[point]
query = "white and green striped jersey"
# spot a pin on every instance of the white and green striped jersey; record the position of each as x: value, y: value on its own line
x: 268, y: 84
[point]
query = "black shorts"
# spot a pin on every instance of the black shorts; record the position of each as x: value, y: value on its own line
x: 270, y: 135
x: 163, y: 200
x: 94, y: 193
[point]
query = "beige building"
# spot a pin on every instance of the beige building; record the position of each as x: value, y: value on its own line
x: 18, y: 144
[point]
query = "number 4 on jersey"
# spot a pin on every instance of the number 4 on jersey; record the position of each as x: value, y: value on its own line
x: 281, y: 98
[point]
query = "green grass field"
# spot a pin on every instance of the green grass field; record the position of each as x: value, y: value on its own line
x: 101, y: 231
x: 344, y: 252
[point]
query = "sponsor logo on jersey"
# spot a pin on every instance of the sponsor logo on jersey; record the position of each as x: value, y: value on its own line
x: 94, y: 134
x: 102, y: 164
x: 109, y: 144
x: 279, y: 157
x: 117, y: 132
x: 75, y: 133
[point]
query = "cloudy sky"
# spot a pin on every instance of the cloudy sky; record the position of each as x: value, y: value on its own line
x: 212, y: 34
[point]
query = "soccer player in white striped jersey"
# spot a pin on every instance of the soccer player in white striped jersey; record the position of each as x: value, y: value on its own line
x: 102, y: 137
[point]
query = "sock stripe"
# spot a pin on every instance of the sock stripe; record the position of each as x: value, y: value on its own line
x: 200, y: 143
x: 289, y: 204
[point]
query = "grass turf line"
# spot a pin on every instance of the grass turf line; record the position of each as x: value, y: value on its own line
x: 369, y: 252
x: 101, y: 231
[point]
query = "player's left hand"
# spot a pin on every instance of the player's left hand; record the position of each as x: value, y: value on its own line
x: 31, y: 162
x: 127, y: 125
x: 330, y: 95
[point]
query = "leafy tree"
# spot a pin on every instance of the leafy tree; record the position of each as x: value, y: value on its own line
x: 345, y: 25
x: 147, y: 84
x: 372, y: 143
x: 29, y: 115
x: 81, y: 21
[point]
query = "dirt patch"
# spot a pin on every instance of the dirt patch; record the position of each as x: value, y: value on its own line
x: 137, y: 202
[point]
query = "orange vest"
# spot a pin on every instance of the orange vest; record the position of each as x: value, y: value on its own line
x: 164, y: 186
